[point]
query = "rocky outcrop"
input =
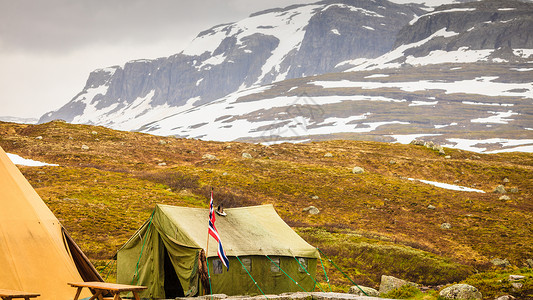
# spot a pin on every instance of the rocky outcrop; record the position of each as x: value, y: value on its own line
x: 489, y: 24
x: 460, y: 291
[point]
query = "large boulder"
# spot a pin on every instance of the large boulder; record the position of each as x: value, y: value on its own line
x: 389, y: 283
x: 361, y: 290
x: 460, y: 291
x: 502, y: 263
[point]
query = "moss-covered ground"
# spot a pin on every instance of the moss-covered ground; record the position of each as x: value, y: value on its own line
x: 371, y: 224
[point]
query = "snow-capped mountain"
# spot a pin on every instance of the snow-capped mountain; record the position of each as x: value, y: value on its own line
x: 460, y: 75
x: 268, y: 46
x: 498, y: 31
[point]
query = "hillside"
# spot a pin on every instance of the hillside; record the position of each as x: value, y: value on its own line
x: 374, y: 223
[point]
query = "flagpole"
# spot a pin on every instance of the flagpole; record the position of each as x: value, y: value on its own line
x: 207, y: 250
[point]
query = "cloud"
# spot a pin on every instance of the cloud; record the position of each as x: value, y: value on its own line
x: 49, y: 47
x: 63, y: 25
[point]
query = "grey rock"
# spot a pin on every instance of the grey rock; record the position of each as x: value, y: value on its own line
x: 315, y: 197
x: 472, y: 36
x: 368, y: 290
x: 504, y: 198
x: 335, y: 296
x: 460, y: 291
x: 505, y: 297
x: 445, y: 226
x: 498, y: 262
x: 389, y: 283
x: 506, y: 180
x: 417, y: 142
x: 432, y: 207
x: 392, y: 162
x: 84, y: 147
x: 94, y: 132
x: 209, y: 156
x: 206, y: 297
x: 447, y: 157
x: 358, y: 170
x: 296, y: 296
x: 246, y: 155
x: 311, y: 210
x: 500, y: 189
x: 516, y: 277
x: 38, y: 137
x: 162, y: 164
x: 162, y: 142
x: 517, y: 285
x: 513, y: 190
x: 329, y: 154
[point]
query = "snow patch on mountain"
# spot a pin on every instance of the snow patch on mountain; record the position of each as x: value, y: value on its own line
x: 499, y: 117
x: 363, y: 11
x: 21, y: 161
x: 389, y: 60
x: 508, y: 145
x: 488, y: 86
x: 448, y: 186
x: 440, y: 12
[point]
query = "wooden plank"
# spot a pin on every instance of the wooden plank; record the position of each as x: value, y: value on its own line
x: 10, y: 294
x: 112, y: 287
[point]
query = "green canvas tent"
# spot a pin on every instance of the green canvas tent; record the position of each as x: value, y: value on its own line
x: 164, y: 254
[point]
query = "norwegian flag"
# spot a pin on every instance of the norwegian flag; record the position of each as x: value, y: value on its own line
x: 214, y: 233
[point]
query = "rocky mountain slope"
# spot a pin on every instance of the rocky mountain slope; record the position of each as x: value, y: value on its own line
x: 268, y: 46
x: 460, y: 74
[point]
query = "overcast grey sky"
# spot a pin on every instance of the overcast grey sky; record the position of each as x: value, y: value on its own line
x: 49, y: 47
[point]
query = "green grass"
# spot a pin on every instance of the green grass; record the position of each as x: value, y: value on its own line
x: 370, y: 224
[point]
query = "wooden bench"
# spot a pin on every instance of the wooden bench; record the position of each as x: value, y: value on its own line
x: 12, y: 294
x: 99, y: 289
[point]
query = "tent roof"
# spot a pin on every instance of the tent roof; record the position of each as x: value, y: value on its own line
x: 254, y: 230
x: 33, y: 255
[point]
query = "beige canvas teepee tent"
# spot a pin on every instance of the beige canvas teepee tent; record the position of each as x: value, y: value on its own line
x: 36, y: 253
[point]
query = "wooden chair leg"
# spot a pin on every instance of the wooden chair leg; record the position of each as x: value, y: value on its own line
x: 78, y: 292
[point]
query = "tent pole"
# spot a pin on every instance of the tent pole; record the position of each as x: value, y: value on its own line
x: 207, y: 258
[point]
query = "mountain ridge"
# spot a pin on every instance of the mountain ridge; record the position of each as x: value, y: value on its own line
x: 233, y: 63
x: 130, y: 98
